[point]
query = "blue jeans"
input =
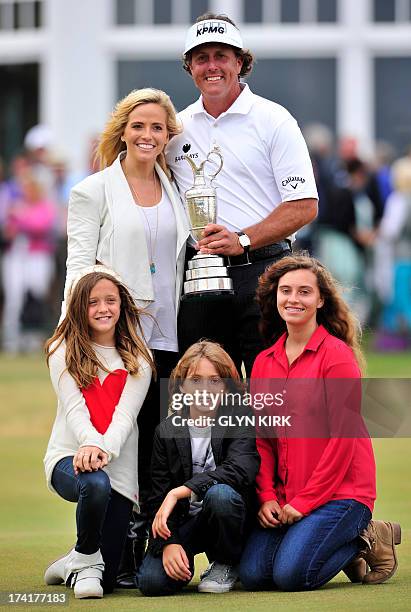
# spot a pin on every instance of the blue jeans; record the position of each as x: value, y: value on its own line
x: 307, y: 554
x: 102, y: 515
x: 218, y: 529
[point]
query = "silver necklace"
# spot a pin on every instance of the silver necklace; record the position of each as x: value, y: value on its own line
x: 152, y: 248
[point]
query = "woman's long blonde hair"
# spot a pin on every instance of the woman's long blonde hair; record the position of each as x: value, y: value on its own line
x: 110, y: 143
x: 334, y: 315
x: 81, y: 360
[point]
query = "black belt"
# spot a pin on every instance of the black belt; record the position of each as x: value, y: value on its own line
x: 266, y: 252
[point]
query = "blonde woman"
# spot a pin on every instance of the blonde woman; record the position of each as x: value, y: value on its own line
x: 129, y: 216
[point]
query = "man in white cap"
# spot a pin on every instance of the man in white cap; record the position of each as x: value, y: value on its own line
x: 265, y: 192
x: 37, y: 143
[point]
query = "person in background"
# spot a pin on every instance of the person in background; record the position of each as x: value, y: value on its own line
x: 383, y: 160
x: 4, y: 194
x: 9, y: 192
x: 393, y: 261
x: 316, y: 493
x: 368, y: 210
x: 368, y: 205
x: 63, y: 181
x: 347, y: 229
x: 27, y: 264
x: 10, y: 186
x: 37, y: 144
x: 100, y: 369
x: 320, y: 143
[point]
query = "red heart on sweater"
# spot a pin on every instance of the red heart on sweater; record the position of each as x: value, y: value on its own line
x: 102, y: 399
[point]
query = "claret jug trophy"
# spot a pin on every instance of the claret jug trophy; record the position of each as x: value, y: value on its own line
x: 206, y: 274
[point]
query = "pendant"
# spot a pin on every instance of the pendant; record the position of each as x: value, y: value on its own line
x: 152, y: 267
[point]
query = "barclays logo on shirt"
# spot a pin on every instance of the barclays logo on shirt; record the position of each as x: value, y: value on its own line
x: 182, y: 157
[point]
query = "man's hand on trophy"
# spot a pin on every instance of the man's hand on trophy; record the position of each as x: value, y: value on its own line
x: 218, y: 240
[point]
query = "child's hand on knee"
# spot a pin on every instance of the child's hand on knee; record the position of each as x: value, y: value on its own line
x: 268, y: 515
x: 175, y: 562
x: 89, y: 459
x: 289, y: 515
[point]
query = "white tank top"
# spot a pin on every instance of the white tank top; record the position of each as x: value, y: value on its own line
x: 161, y: 237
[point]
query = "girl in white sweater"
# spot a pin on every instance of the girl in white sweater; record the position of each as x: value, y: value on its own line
x: 101, y: 370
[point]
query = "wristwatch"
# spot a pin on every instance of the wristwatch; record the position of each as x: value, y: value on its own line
x: 245, y: 241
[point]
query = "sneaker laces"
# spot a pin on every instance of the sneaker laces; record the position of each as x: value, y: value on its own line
x: 205, y: 573
x: 219, y: 572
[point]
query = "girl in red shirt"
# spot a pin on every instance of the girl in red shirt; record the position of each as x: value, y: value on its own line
x: 316, y: 493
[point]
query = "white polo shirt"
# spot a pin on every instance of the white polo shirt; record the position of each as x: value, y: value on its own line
x: 266, y: 160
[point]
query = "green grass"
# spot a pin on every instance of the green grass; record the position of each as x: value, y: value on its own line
x: 36, y: 526
x: 397, y: 365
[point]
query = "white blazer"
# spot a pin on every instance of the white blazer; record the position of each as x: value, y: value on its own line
x: 99, y: 230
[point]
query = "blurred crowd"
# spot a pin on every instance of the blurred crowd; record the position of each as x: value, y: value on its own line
x: 362, y: 234
x: 34, y: 193
x: 363, y: 231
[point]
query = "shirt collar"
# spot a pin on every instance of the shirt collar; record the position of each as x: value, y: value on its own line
x: 316, y: 339
x: 312, y: 345
x: 278, y: 346
x: 240, y: 106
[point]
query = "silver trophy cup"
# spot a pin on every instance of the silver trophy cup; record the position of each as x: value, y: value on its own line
x: 206, y: 273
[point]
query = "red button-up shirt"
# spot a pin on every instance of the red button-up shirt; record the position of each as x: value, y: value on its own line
x: 309, y: 472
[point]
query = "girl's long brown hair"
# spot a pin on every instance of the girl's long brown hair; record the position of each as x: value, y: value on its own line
x: 334, y: 315
x: 81, y: 360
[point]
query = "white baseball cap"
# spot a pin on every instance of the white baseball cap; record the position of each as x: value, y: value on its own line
x: 38, y: 137
x: 213, y: 30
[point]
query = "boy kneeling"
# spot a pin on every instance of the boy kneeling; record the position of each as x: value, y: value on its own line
x: 203, y: 474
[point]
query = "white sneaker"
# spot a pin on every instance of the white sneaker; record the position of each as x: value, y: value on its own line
x: 206, y: 571
x: 83, y: 572
x: 218, y: 578
x: 55, y: 572
x: 88, y: 583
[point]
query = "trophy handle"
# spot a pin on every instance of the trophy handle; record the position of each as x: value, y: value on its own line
x: 215, y: 151
x: 196, y: 169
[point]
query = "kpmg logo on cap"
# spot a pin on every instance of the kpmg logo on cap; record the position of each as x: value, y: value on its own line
x: 211, y: 27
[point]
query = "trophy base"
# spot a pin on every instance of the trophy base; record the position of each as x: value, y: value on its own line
x: 207, y: 274
x: 207, y: 295
x: 201, y: 285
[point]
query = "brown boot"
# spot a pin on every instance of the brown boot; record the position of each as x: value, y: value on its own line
x: 356, y: 570
x: 380, y: 539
